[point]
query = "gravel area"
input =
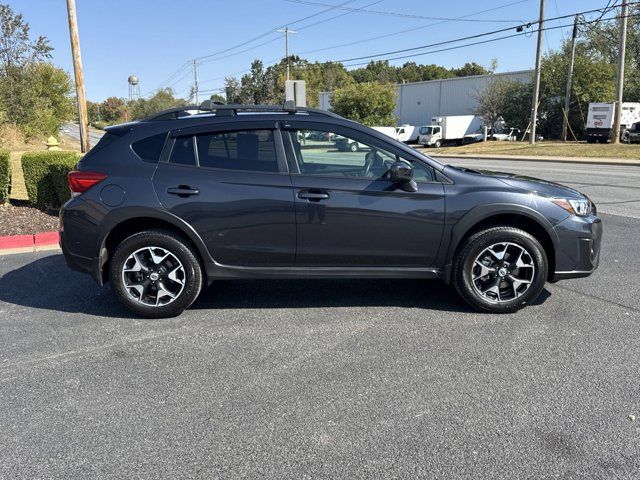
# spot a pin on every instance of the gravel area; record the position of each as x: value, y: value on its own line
x: 17, y: 218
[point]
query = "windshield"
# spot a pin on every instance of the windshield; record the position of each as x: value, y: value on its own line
x: 426, y: 130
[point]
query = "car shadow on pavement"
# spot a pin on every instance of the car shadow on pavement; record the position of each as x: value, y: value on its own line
x: 47, y: 283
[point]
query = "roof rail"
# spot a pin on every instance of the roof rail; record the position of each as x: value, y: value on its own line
x: 220, y: 110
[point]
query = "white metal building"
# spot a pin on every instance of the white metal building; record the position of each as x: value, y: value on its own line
x: 418, y: 102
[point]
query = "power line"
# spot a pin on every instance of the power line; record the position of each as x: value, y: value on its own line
x: 469, y: 37
x: 339, y: 64
x: 342, y: 63
x: 397, y: 14
x: 371, y: 38
x: 270, y: 32
x: 277, y: 38
x: 413, y: 29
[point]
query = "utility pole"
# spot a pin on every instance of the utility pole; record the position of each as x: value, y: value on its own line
x: 567, y: 95
x: 195, y: 79
x: 286, y: 31
x: 620, y: 85
x: 536, y: 83
x: 77, y: 71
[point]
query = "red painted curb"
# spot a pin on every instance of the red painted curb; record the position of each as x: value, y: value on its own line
x: 16, y: 241
x: 25, y: 241
x: 46, y: 238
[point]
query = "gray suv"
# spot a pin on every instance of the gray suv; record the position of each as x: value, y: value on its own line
x: 166, y: 205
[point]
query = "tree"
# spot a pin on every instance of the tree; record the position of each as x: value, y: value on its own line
x: 34, y: 95
x: 492, y: 102
x: 216, y: 97
x: 376, y: 71
x: 16, y: 48
x: 232, y: 90
x: 469, y: 69
x: 163, y: 99
x: 112, y: 110
x: 369, y: 103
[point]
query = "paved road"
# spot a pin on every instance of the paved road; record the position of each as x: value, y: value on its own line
x: 614, y: 188
x: 321, y: 379
x: 74, y: 132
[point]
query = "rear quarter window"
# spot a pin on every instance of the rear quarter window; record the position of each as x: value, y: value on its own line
x: 150, y: 148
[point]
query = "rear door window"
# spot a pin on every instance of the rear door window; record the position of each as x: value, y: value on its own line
x: 183, y: 152
x: 247, y: 150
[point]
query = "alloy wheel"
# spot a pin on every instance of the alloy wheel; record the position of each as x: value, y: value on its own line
x: 153, y: 276
x: 503, y: 272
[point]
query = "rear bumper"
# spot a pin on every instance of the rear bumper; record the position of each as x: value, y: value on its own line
x: 578, y: 253
x: 598, y: 132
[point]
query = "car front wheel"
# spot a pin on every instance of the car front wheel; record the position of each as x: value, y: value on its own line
x: 155, y: 274
x: 500, y: 269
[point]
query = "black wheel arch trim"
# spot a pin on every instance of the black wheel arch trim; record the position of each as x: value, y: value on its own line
x: 121, y: 215
x: 482, y: 212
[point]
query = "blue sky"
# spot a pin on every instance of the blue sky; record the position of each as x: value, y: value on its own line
x: 154, y: 38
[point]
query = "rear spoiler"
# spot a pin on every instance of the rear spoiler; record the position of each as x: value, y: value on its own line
x: 119, y: 130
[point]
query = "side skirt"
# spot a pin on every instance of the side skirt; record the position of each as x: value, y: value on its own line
x: 221, y: 272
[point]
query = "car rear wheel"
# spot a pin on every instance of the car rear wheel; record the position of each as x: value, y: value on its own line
x: 500, y: 270
x: 155, y: 274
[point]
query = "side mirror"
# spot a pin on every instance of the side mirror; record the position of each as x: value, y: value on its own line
x: 401, y: 174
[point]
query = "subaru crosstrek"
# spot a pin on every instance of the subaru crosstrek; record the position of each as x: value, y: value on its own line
x: 191, y: 195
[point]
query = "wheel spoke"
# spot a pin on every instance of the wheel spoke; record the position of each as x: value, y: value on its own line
x: 163, y: 292
x: 137, y: 266
x: 158, y: 259
x: 495, y: 288
x: 172, y: 275
x: 484, y: 270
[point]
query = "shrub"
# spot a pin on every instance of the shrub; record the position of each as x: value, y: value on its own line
x: 5, y: 176
x: 45, y: 176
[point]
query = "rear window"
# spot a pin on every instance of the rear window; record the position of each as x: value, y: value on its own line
x: 150, y: 148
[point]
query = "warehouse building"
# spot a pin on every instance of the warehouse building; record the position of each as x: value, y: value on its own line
x: 418, y: 102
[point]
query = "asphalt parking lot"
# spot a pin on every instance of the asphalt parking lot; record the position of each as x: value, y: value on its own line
x: 320, y: 379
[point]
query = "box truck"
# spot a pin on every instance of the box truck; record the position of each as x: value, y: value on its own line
x: 408, y: 133
x: 600, y: 120
x: 449, y: 129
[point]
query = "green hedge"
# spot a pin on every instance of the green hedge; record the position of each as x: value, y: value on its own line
x: 5, y: 176
x: 45, y: 176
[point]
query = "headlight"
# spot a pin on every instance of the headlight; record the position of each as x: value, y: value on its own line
x: 580, y: 207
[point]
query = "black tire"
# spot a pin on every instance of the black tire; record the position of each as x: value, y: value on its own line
x: 625, y: 138
x: 464, y: 264
x: 438, y: 144
x: 191, y: 274
x: 353, y: 147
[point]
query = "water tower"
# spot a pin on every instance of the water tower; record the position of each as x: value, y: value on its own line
x: 134, y: 87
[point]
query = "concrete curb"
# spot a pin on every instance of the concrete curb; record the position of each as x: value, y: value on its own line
x: 597, y: 161
x: 29, y: 243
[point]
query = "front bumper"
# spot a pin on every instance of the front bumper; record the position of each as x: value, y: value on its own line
x: 578, y: 252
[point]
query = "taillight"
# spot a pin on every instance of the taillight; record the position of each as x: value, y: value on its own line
x: 80, y: 182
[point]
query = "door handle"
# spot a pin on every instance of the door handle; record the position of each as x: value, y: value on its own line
x: 313, y: 196
x: 183, y: 191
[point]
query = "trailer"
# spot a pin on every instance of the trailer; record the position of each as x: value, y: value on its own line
x: 449, y: 129
x: 600, y: 120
